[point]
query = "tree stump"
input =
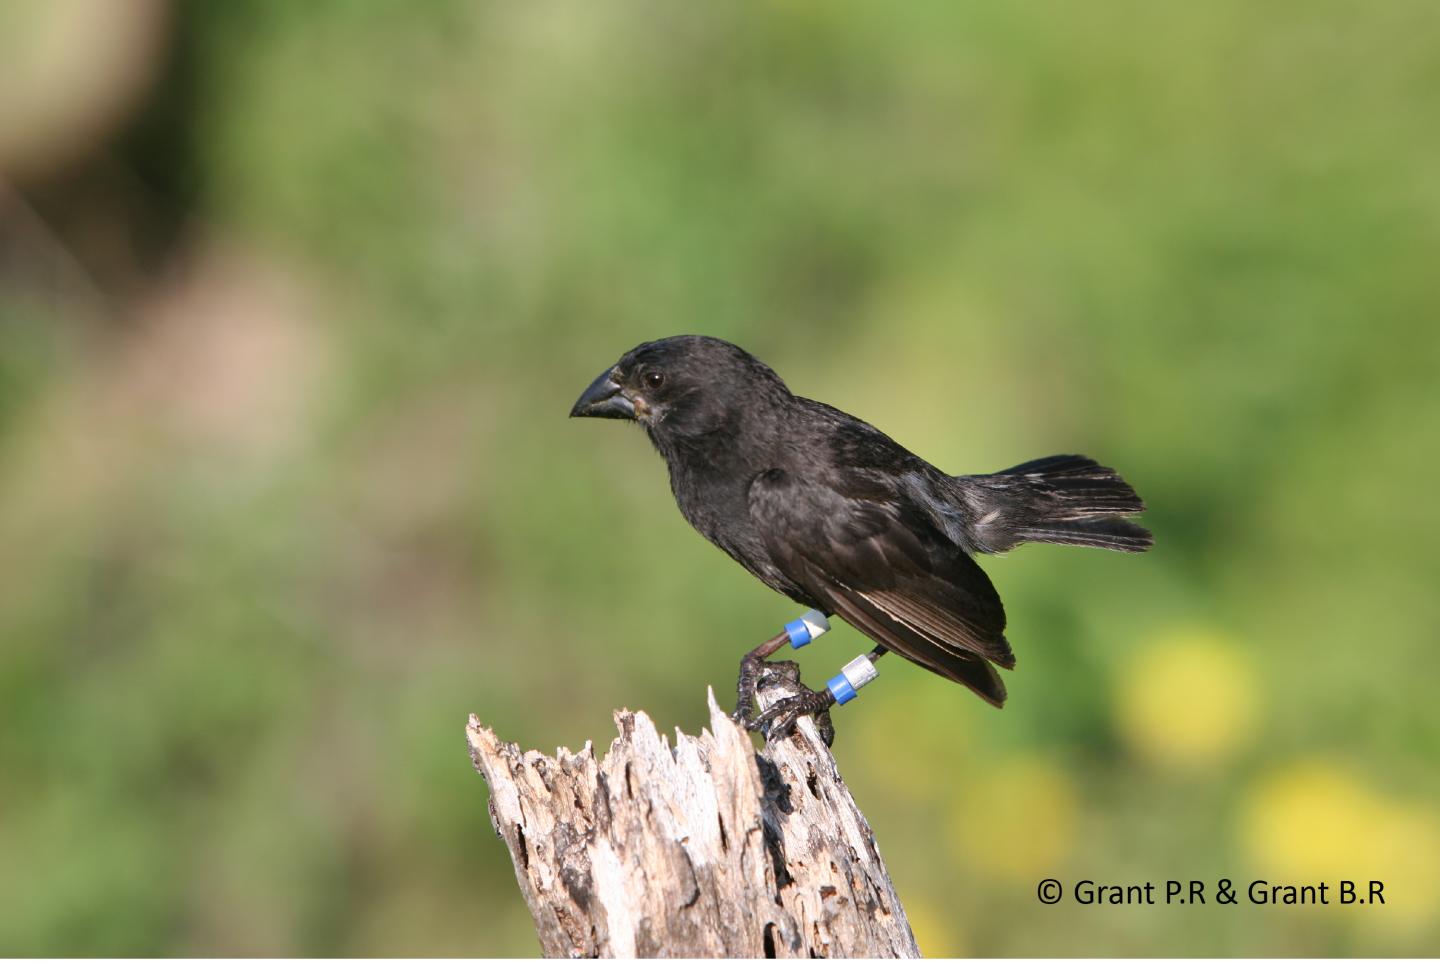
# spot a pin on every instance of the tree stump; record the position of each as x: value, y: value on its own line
x: 708, y: 848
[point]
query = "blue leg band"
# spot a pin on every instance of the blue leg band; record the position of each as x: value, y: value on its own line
x: 812, y: 625
x: 841, y: 689
x: 859, y: 672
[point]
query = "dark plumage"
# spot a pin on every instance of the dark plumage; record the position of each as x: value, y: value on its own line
x: 836, y: 515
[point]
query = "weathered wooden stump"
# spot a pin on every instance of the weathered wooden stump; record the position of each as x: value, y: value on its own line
x: 707, y: 848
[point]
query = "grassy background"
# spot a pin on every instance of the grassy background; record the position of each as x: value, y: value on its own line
x: 294, y: 299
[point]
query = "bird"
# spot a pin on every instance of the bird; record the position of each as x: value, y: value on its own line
x: 832, y: 513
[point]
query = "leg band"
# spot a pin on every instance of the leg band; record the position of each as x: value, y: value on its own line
x: 807, y: 628
x: 858, y: 672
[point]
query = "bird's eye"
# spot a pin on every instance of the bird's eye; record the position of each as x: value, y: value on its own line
x: 654, y: 379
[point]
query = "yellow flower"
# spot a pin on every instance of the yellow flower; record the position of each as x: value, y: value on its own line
x: 1187, y: 700
x: 1312, y: 821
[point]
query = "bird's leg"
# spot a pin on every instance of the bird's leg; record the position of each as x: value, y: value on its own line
x: 780, y: 718
x: 750, y: 668
x: 754, y: 669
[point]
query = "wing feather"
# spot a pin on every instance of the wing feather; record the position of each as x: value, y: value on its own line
x: 970, y: 671
x: 881, y: 566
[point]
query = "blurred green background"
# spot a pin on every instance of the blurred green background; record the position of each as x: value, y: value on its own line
x: 294, y: 299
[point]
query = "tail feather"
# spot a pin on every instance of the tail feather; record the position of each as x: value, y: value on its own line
x: 1065, y: 499
x: 1119, y: 534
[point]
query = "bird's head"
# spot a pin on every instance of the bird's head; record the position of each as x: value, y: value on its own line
x: 680, y: 387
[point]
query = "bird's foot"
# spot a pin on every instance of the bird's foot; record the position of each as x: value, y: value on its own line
x: 757, y: 673
x: 779, y: 671
x: 780, y: 719
x: 745, y: 688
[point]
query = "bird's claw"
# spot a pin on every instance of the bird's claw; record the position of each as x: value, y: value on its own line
x: 784, y: 670
x: 756, y: 673
x: 780, y: 718
x: 745, y: 688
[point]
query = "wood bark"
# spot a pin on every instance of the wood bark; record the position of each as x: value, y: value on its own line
x: 706, y: 848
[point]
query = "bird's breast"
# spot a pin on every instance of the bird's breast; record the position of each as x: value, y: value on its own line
x: 717, y: 504
x: 714, y: 497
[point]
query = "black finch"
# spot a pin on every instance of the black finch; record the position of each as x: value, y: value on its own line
x: 836, y: 515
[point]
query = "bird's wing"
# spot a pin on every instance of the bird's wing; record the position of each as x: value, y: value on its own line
x: 875, y: 560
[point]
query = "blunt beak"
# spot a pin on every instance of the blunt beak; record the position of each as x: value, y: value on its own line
x: 603, y: 399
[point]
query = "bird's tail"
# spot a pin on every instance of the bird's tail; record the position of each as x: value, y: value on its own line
x: 1067, y: 499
